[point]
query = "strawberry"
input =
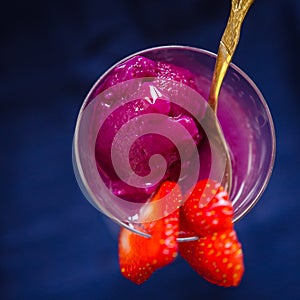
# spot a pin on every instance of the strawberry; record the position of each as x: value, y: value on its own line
x: 217, y: 254
x: 185, y: 230
x: 207, y: 209
x: 217, y: 257
x: 139, y: 256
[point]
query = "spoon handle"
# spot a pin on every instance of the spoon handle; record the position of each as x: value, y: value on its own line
x: 229, y: 41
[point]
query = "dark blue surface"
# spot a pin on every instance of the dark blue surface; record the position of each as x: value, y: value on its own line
x: 54, y: 244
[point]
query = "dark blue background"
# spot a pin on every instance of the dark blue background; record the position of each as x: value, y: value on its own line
x: 54, y: 244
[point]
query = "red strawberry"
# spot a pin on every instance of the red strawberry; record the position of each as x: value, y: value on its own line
x: 217, y: 257
x: 185, y: 230
x: 207, y: 209
x: 139, y: 257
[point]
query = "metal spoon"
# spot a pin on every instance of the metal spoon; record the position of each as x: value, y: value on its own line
x: 228, y: 44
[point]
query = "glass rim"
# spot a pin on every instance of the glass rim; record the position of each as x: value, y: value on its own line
x: 213, y: 55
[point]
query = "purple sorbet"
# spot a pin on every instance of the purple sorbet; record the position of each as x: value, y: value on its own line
x: 147, y: 145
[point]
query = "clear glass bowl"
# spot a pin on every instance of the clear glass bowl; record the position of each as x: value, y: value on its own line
x: 242, y: 113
